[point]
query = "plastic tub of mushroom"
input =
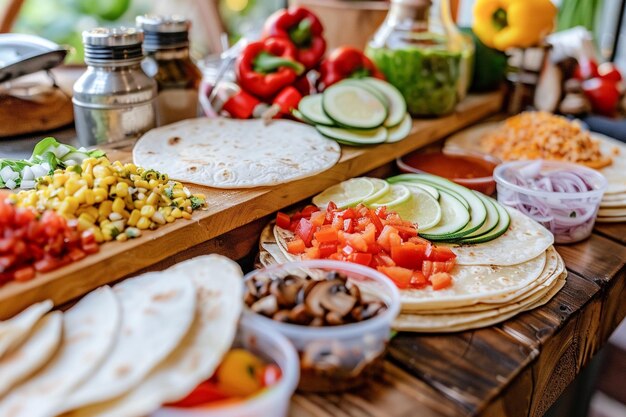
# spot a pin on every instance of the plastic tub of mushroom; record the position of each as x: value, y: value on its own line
x: 337, y: 314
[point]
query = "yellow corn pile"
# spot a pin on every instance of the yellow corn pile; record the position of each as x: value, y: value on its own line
x: 113, y: 200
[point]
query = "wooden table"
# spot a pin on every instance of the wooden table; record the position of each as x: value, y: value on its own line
x: 517, y: 368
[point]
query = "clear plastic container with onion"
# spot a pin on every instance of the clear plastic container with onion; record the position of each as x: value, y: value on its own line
x: 561, y: 196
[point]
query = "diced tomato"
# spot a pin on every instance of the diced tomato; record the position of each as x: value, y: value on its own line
x: 349, y: 213
x: 441, y: 280
x: 271, y: 375
x: 406, y: 231
x: 24, y: 274
x: 394, y: 240
x: 76, y: 254
x: 91, y: 248
x: 418, y: 280
x: 47, y: 264
x: 283, y: 220
x: 336, y: 257
x: 204, y: 393
x: 442, y: 267
x: 381, y: 259
x: 409, y: 255
x: 427, y: 268
x: 357, y: 242
x: 369, y: 234
x: 305, y: 231
x: 7, y: 261
x: 361, y: 258
x: 419, y: 240
x: 327, y: 249
x: 381, y: 212
x: 440, y: 253
x: 375, y: 220
x: 308, y: 211
x: 400, y: 276
x: 311, y: 253
x: 296, y: 246
x: 347, y: 250
x: 317, y: 218
x: 383, y: 238
x: 348, y: 225
x: 326, y: 234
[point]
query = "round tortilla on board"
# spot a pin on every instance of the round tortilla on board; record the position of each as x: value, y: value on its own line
x: 219, y: 302
x: 16, y: 329
x: 228, y: 153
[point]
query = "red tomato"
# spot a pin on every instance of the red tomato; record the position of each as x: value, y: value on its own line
x: 441, y: 280
x: 418, y: 280
x: 326, y: 234
x: 373, y: 216
x: 603, y: 95
x: 296, y: 247
x: 25, y: 273
x: 400, y: 276
x: 360, y: 258
x: 283, y: 220
x: 271, y: 375
x: 311, y: 253
x: 608, y: 71
x: 439, y: 253
x: 317, y: 218
x: 348, y: 225
x: 305, y: 231
x: 409, y: 255
x: 427, y: 268
x: 326, y: 249
x: 204, y: 393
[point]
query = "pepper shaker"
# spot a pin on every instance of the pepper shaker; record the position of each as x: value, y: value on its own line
x: 114, y: 100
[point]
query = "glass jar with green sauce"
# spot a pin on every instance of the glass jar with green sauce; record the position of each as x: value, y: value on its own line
x: 423, y: 54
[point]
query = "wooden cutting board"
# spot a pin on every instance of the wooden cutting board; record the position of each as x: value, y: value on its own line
x: 227, y: 210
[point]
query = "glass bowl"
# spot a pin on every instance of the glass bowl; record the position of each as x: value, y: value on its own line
x: 336, y: 358
x: 270, y: 345
x: 570, y: 216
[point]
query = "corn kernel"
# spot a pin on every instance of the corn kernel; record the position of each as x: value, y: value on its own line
x: 118, y: 205
x: 147, y: 211
x: 170, y: 219
x: 106, y: 207
x: 186, y: 215
x: 101, y: 171
x: 177, y: 213
x: 121, y: 188
x: 139, y: 204
x: 135, y: 215
x: 141, y: 184
x: 122, y: 237
x: 143, y: 223
x: 152, y: 199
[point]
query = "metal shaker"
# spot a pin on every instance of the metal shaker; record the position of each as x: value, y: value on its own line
x: 114, y: 100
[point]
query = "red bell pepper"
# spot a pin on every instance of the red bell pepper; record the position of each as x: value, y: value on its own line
x: 301, y: 27
x: 288, y: 99
x: 266, y: 67
x: 346, y: 62
x: 241, y: 105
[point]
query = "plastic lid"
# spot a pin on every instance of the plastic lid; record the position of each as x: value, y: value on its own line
x: 414, y: 3
x: 112, y: 37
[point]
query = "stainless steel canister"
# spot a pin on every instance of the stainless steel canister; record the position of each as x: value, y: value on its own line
x: 114, y: 100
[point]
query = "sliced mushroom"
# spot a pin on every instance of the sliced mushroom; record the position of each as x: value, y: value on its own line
x: 267, y: 306
x: 285, y: 291
x: 319, y: 294
x: 339, y: 302
x: 334, y: 319
x: 299, y: 315
x: 354, y: 290
x: 282, y: 316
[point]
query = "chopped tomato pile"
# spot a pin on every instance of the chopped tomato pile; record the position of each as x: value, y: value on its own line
x: 241, y: 374
x: 31, y: 242
x: 372, y: 237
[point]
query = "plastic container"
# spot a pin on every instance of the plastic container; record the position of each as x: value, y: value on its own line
x: 336, y: 358
x: 411, y: 163
x: 570, y: 216
x: 267, y: 343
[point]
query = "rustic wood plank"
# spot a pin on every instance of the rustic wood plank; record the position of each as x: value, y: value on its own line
x: 597, y: 258
x: 227, y: 210
x: 615, y: 231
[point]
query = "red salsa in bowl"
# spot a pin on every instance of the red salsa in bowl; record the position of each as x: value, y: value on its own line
x: 470, y: 169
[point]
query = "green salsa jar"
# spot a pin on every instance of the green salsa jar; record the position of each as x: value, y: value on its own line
x: 424, y: 55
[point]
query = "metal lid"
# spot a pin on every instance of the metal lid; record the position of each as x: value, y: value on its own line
x: 112, y: 37
x: 164, y: 32
x: 112, y: 46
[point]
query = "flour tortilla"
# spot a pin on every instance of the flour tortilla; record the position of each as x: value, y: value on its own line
x: 526, y: 239
x: 621, y: 197
x: 90, y: 329
x: 15, y: 330
x: 36, y: 350
x: 611, y: 219
x: 157, y: 312
x: 228, y: 153
x: 470, y: 139
x: 219, y: 303
x: 612, y: 212
x: 418, y: 323
x: 554, y: 267
x: 613, y: 204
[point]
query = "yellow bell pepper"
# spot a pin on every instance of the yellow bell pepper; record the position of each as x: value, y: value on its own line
x: 503, y: 24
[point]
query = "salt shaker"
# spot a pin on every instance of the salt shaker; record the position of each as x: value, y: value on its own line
x: 114, y: 100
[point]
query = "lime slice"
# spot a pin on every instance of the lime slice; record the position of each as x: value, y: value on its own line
x: 381, y: 187
x: 345, y: 194
x: 396, y: 195
x: 421, y: 208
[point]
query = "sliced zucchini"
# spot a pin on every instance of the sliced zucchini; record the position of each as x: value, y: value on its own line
x: 359, y: 82
x: 504, y: 221
x: 454, y: 217
x: 298, y: 115
x: 354, y: 137
x: 311, y: 108
x: 353, y: 107
x: 418, y: 179
x: 397, y: 104
x: 492, y: 217
x: 401, y: 131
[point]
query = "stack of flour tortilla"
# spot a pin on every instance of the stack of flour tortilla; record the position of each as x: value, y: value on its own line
x: 492, y: 281
x: 122, y: 351
x: 229, y: 153
x: 613, y: 205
